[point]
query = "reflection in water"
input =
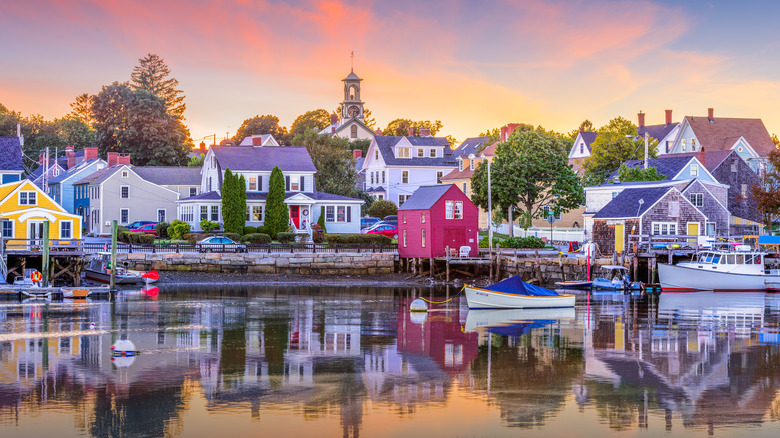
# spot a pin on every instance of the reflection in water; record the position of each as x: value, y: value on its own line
x: 359, y: 360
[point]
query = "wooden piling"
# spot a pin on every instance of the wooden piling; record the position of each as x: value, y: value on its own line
x: 45, y: 254
x: 651, y: 271
x: 114, y: 226
x: 538, y: 268
x: 430, y: 266
x: 447, y: 268
x: 498, y: 266
x: 635, y: 265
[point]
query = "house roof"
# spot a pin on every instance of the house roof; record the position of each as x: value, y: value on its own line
x: 667, y: 165
x: 721, y: 133
x: 626, y: 203
x: 466, y: 173
x: 262, y: 196
x: 288, y: 158
x: 352, y: 77
x: 170, y: 175
x: 263, y: 138
x: 589, y: 137
x: 68, y: 173
x: 657, y: 132
x: 386, y: 144
x: 11, y: 154
x: 99, y: 176
x: 469, y: 146
x: 424, y: 197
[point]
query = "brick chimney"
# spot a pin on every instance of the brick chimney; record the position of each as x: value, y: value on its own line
x: 90, y: 153
x: 378, y: 132
x: 42, y: 158
x: 701, y: 156
x: 257, y: 141
x: 510, y: 128
x: 711, y: 114
x: 71, y: 155
x: 411, y: 131
x: 112, y: 158
x: 641, y: 117
x: 203, y: 148
x: 357, y: 153
x: 123, y: 159
x: 425, y: 131
x: 668, y: 117
x: 503, y: 133
x: 582, y: 128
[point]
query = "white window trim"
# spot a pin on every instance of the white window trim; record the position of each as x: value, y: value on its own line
x: 121, y: 188
x: 27, y: 197
x: 422, y: 236
x: 660, y: 225
x: 404, y: 238
x: 404, y: 177
x: 62, y: 222
x: 125, y: 174
x: 694, y: 169
x: 701, y: 195
x: 13, y: 227
x: 128, y: 215
x: 165, y: 213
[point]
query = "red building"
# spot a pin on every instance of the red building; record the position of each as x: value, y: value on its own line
x: 436, y: 217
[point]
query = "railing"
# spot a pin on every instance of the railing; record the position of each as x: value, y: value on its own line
x: 36, y: 245
x: 661, y: 243
x: 254, y: 248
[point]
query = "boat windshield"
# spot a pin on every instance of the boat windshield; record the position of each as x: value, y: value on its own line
x: 716, y: 258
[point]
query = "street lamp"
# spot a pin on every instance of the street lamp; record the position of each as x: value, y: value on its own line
x: 490, y: 208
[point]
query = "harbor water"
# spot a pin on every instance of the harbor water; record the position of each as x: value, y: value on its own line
x: 353, y: 361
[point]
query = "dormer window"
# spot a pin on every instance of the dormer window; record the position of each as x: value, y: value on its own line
x: 471, y: 165
x: 420, y: 152
x: 433, y: 153
x: 460, y: 165
x: 693, y: 145
x: 402, y: 153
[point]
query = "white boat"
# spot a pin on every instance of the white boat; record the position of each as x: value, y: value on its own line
x: 738, y: 269
x: 99, y: 269
x: 488, y: 318
x: 514, y: 293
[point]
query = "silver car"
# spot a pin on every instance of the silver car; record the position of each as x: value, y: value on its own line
x: 219, y: 244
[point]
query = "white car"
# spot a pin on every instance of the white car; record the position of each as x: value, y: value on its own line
x: 219, y: 244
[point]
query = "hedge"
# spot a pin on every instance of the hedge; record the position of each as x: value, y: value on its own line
x: 130, y: 237
x: 194, y: 237
x: 235, y: 237
x: 357, y: 238
x: 249, y: 230
x: 256, y: 238
x: 285, y: 237
x: 522, y: 242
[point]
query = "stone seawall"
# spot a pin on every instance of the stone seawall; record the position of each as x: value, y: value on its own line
x: 553, y: 269
x: 261, y: 263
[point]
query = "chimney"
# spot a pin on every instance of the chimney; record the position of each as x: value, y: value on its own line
x: 425, y: 131
x: 411, y: 131
x: 701, y: 156
x: 41, y: 158
x: 357, y: 153
x: 510, y: 128
x: 641, y: 117
x: 71, y: 155
x: 112, y: 158
x: 582, y: 128
x: 18, y: 129
x: 334, y: 119
x: 503, y: 133
x: 123, y: 159
x: 257, y: 140
x: 378, y: 132
x: 203, y: 148
x: 90, y: 153
x: 668, y: 117
x: 711, y: 114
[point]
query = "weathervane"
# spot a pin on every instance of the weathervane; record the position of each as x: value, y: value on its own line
x: 352, y: 61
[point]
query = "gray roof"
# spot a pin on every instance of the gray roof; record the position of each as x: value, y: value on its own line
x: 11, y: 154
x: 352, y: 77
x: 667, y: 165
x: 288, y: 158
x: 68, y: 173
x: 657, y: 132
x: 99, y: 176
x: 170, y: 175
x: 589, y: 137
x: 262, y: 196
x: 424, y: 197
x: 469, y: 146
x: 386, y: 143
x: 626, y: 203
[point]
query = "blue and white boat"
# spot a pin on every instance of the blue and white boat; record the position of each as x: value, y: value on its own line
x: 514, y: 293
x: 615, y: 277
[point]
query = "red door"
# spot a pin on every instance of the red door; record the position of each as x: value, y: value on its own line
x: 295, y: 215
x: 455, y: 237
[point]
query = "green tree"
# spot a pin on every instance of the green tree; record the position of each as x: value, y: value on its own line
x: 400, y: 127
x: 493, y: 135
x: 617, y: 142
x: 75, y: 131
x: 332, y: 157
x: 277, y: 215
x: 767, y: 195
x: 8, y: 121
x: 317, y: 120
x: 137, y: 122
x: 530, y: 171
x: 233, y: 202
x: 259, y: 125
x: 82, y: 108
x: 196, y: 160
x: 629, y: 174
x: 586, y: 126
x: 382, y: 208
x: 152, y: 75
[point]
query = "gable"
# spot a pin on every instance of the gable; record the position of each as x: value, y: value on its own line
x: 10, y: 202
x: 694, y: 169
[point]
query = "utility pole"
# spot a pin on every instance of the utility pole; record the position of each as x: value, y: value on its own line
x: 490, y: 209
x: 647, y: 148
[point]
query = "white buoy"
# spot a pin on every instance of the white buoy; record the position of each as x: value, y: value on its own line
x: 123, y: 347
x: 92, y: 326
x: 418, y: 305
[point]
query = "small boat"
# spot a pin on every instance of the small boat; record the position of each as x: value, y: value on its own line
x: 149, y: 277
x: 72, y: 292
x: 99, y: 269
x: 497, y: 320
x: 737, y: 268
x: 574, y: 284
x: 615, y: 277
x: 514, y: 293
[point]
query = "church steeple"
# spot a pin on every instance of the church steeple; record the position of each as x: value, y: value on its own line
x: 352, y: 106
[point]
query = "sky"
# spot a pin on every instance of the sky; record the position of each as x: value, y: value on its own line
x: 473, y: 64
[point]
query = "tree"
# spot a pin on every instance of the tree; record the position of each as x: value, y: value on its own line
x: 586, y: 126
x: 8, y: 121
x: 401, y: 127
x: 530, y: 171
x: 196, y: 160
x: 767, y: 196
x: 332, y: 157
x: 382, y: 208
x: 367, y: 119
x: 493, y: 135
x: 617, y: 142
x: 137, y: 122
x: 75, y: 131
x: 259, y: 125
x: 629, y: 174
x: 233, y: 202
x: 277, y: 215
x: 81, y: 108
x: 317, y: 120
x: 151, y: 74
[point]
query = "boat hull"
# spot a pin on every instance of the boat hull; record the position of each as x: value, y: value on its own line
x: 677, y: 278
x: 106, y: 278
x: 487, y: 299
x: 574, y: 284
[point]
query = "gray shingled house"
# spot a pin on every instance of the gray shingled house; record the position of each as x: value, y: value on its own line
x: 11, y: 166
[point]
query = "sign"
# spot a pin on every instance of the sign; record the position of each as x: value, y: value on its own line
x: 551, y: 219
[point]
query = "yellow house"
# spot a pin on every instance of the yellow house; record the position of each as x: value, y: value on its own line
x: 24, y: 207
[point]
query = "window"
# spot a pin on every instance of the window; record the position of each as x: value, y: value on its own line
x: 253, y: 183
x: 422, y: 218
x: 404, y: 238
x: 422, y: 235
x: 404, y: 217
x: 353, y: 131
x: 208, y: 187
x: 683, y: 145
x: 125, y: 174
x: 383, y: 177
x: 330, y: 213
x: 294, y: 185
x: 215, y: 213
x: 8, y: 228
x: 697, y: 199
x: 405, y: 177
x: 402, y: 199
x: 28, y: 198
x: 432, y: 153
x: 204, y: 212
x: 403, y: 153
x: 66, y: 229
x: 124, y: 215
x: 193, y: 191
x: 213, y: 162
x: 421, y: 152
x: 380, y: 196
x: 124, y: 192
x: 460, y: 165
x: 674, y: 209
x: 160, y: 215
x: 465, y: 188
x: 471, y: 165
x: 454, y: 209
x: 668, y: 144
x: 376, y: 154
x: 257, y: 213
x: 372, y: 178
x: 341, y: 213
x: 694, y: 170
x: 664, y: 228
x: 582, y: 148
x: 693, y: 145
x: 248, y: 214
x: 744, y: 190
x: 188, y: 213
x: 438, y: 177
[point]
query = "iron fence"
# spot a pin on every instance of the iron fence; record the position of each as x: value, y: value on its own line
x: 254, y: 248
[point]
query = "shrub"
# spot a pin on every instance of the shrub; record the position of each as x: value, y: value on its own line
x: 262, y: 229
x: 208, y: 226
x: 522, y: 242
x: 162, y: 230
x: 357, y: 238
x: 144, y: 238
x: 130, y: 237
x: 483, y: 242
x: 250, y: 230
x: 382, y: 208
x: 318, y: 236
x: 235, y: 237
x: 178, y: 229
x: 321, y: 220
x: 285, y: 237
x: 277, y: 213
x: 256, y: 238
x: 194, y: 237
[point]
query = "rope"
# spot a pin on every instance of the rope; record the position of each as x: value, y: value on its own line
x: 446, y: 301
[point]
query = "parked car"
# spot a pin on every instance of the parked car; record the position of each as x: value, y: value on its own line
x: 139, y: 224
x: 392, y: 217
x: 146, y: 229
x: 393, y: 223
x: 219, y: 244
x: 383, y: 229
x: 368, y: 222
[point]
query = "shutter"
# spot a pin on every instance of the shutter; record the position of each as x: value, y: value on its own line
x: 259, y: 183
x: 303, y: 187
x: 349, y: 213
x: 287, y: 183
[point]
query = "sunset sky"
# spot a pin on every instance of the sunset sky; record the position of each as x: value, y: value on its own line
x: 474, y: 65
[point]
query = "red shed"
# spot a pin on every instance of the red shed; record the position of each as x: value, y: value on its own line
x: 436, y: 217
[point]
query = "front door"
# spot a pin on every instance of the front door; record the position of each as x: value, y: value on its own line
x: 455, y: 238
x: 619, y: 237
x: 693, y: 230
x: 295, y: 215
x: 35, y: 233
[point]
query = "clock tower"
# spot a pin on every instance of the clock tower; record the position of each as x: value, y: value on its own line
x: 352, y: 107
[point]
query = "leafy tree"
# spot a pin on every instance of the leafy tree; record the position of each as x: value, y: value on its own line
x: 8, y: 121
x: 151, y: 74
x: 767, y: 196
x: 629, y: 174
x: 137, y: 122
x: 586, y: 125
x: 196, y: 160
x: 400, y: 127
x: 82, y: 108
x: 259, y: 125
x: 233, y: 202
x: 617, y: 142
x: 332, y: 156
x: 277, y: 215
x: 367, y: 118
x: 361, y: 144
x: 382, y: 208
x: 493, y: 136
x: 75, y: 131
x: 530, y: 170
x: 775, y: 140
x: 317, y: 120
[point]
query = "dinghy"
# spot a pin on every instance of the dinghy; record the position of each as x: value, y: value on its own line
x: 514, y: 293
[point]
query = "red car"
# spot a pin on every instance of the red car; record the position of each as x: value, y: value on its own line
x: 383, y: 229
x: 146, y: 229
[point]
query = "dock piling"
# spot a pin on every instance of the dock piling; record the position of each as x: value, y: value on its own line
x: 45, y: 254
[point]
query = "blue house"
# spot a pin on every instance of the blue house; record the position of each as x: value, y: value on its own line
x: 61, y: 187
x: 11, y: 166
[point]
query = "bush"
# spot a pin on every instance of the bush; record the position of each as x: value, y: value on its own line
x: 130, y: 237
x: 382, y: 208
x: 357, y: 238
x: 285, y: 237
x: 256, y: 238
x: 522, y: 242
x: 208, y: 226
x: 194, y: 237
x: 262, y: 229
x: 321, y: 220
x: 235, y: 237
x: 483, y: 242
x: 162, y: 230
x: 178, y: 229
x: 250, y: 230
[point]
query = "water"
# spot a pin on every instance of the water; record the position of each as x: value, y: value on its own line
x: 353, y: 361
